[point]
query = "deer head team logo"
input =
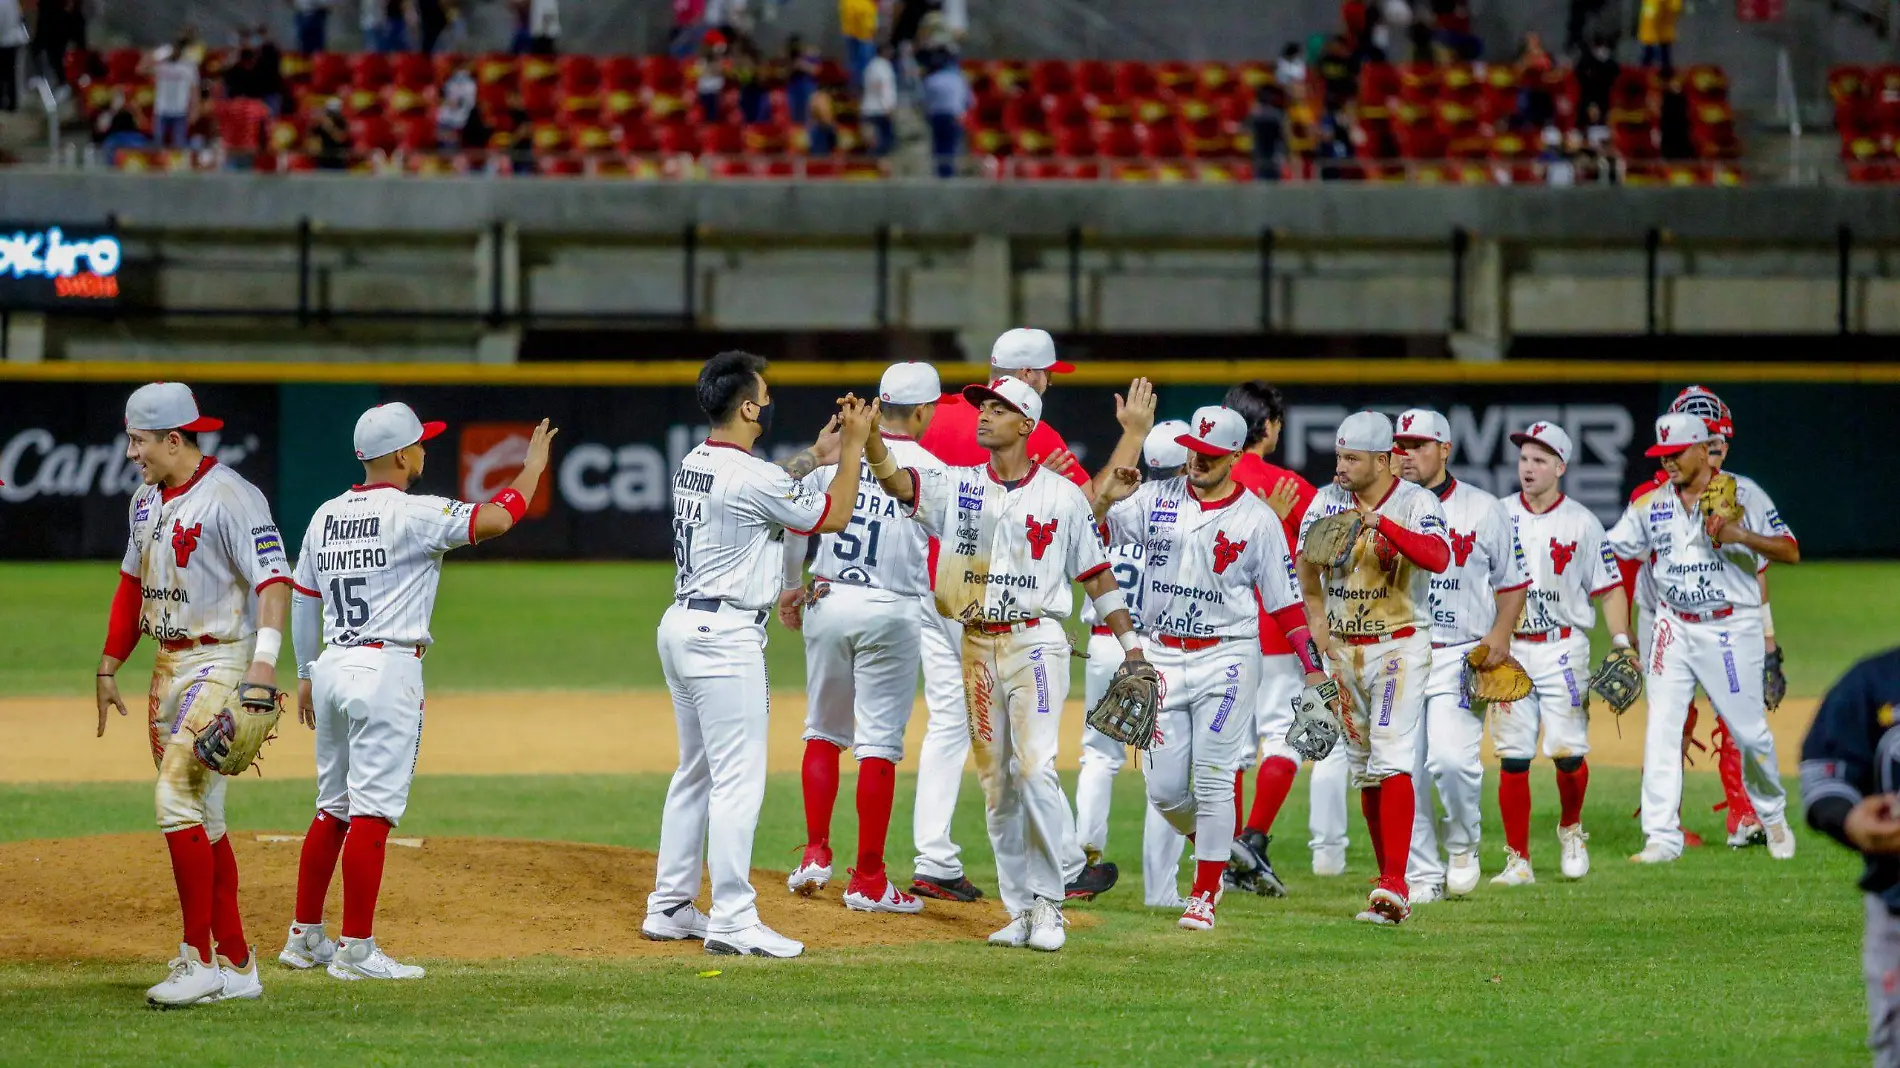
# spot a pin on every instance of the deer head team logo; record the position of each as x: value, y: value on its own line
x: 1461, y: 546
x: 185, y: 541
x: 1040, y: 535
x: 1560, y: 554
x: 1226, y: 552
x: 1207, y: 427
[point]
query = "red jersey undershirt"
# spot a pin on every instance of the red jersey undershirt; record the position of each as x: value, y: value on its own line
x: 1259, y: 477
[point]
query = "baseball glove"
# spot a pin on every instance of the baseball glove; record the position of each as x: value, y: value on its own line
x: 1506, y: 682
x: 1316, y: 720
x: 1774, y: 684
x: 1718, y: 500
x: 1618, y: 680
x: 230, y: 742
x: 1329, y: 540
x: 1128, y: 709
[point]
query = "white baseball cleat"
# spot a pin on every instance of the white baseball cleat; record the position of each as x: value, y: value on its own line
x: 677, y: 924
x: 191, y: 981
x: 1046, y: 926
x: 1198, y: 913
x: 757, y: 940
x: 1576, y: 860
x: 1329, y: 861
x: 358, y: 958
x: 307, y: 946
x: 1385, y: 908
x: 1780, y: 840
x: 887, y: 899
x: 1653, y: 854
x: 1461, y: 875
x: 238, y: 985
x: 1748, y: 834
x: 1517, y: 870
x: 1015, y: 935
x: 814, y: 871
x: 1426, y: 893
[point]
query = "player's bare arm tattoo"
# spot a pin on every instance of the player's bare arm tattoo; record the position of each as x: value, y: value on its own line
x: 800, y: 465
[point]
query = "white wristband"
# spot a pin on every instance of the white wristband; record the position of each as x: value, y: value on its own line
x: 270, y: 641
x: 1130, y: 641
x: 1109, y: 603
x: 1767, y: 620
x: 1620, y: 641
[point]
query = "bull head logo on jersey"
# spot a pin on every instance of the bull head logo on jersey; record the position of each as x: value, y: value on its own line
x: 1040, y: 535
x: 1226, y: 552
x: 1386, y: 552
x: 1207, y: 427
x: 1560, y: 554
x: 185, y: 542
x: 1461, y: 546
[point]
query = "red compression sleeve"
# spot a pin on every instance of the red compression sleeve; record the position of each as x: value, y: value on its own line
x: 122, y: 627
x: 1292, y: 623
x: 512, y: 502
x: 1428, y: 552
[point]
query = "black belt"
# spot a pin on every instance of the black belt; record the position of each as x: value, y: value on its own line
x: 713, y: 604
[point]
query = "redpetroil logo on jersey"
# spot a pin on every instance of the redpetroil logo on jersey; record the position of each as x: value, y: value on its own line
x: 491, y: 455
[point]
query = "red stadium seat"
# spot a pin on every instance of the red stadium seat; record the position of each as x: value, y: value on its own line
x: 1460, y: 82
x: 1160, y: 140
x: 1207, y: 138
x: 372, y: 133
x: 550, y: 137
x: 591, y: 137
x: 1051, y: 76
x: 1074, y: 142
x: 329, y: 72
x: 1031, y: 142
x: 1635, y: 141
x: 370, y: 70
x: 765, y: 138
x: 1009, y: 74
x: 1253, y: 74
x: 989, y: 140
x: 1846, y: 83
x: 1499, y: 96
x: 399, y: 100
x: 677, y: 139
x: 413, y: 70
x: 416, y: 134
x: 541, y: 100
x: 622, y: 74
x: 1418, y: 83
x: 1068, y: 109
x: 1117, y: 139
x: 539, y: 69
x: 1176, y: 76
x: 1023, y: 112
x: 1214, y: 78
x: 662, y: 74
x: 637, y: 137
x: 722, y: 139
x: 1135, y: 79
x: 1150, y: 109
x: 1095, y: 78
x: 579, y: 74
x: 122, y: 65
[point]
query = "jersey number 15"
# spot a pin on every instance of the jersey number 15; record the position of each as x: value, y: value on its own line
x: 347, y: 603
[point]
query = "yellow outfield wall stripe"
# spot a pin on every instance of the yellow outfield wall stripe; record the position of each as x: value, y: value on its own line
x: 859, y: 373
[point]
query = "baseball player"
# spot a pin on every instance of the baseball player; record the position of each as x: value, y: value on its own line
x: 1102, y: 756
x: 1287, y: 494
x: 1011, y: 541
x: 1848, y: 777
x: 204, y: 574
x: 731, y: 512
x: 861, y: 629
x: 1570, y: 565
x: 366, y: 580
x: 1708, y: 628
x: 1372, y: 621
x: 1029, y: 356
x: 1474, y: 604
x: 1216, y: 558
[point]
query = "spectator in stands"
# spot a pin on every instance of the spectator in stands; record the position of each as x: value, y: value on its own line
x: 858, y: 20
x: 522, y: 159
x: 521, y: 40
x: 1452, y: 19
x: 369, y: 20
x: 457, y: 106
x: 271, y: 87
x: 689, y: 24
x: 1268, y: 125
x: 1580, y: 27
x: 544, y: 27
x: 120, y: 125
x: 1290, y: 70
x: 710, y: 82
x: 1335, y: 146
x: 330, y: 138
x: 909, y: 23
x: 312, y: 18
x: 174, y: 93
x: 1554, y: 160
x: 393, y: 33
x: 1338, y: 72
x: 821, y: 131
x: 1656, y: 31
x: 801, y: 76
x: 1535, y: 104
x: 946, y: 100
x: 1585, y: 160
x: 53, y: 35
x: 431, y: 20
x: 1355, y: 20
x: 13, y: 37
x: 1391, y: 31
x: 1597, y: 72
x: 454, y: 39
x: 879, y: 101
x: 1672, y: 122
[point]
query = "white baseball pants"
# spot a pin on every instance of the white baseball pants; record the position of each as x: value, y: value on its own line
x: 1102, y: 758
x: 189, y: 688
x: 1387, y: 680
x: 1448, y: 758
x: 1560, y: 681
x: 946, y: 744
x: 369, y: 729
x: 1725, y: 656
x: 1206, y: 730
x: 1326, y: 792
x: 861, y: 658
x: 715, y: 668
x: 1014, y: 684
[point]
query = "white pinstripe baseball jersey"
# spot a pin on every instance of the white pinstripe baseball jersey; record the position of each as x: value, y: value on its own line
x: 200, y: 552
x: 1568, y: 561
x: 1692, y: 573
x: 1127, y: 560
x: 374, y: 555
x: 1379, y: 591
x: 1485, y: 560
x: 1007, y: 553
x: 1207, y: 561
x: 730, y: 514
x: 884, y: 547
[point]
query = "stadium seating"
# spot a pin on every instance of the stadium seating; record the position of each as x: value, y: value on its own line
x: 1867, y: 114
x: 638, y: 116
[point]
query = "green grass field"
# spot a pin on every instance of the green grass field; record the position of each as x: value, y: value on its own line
x: 1722, y: 958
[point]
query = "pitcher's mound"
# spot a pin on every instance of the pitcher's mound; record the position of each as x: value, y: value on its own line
x: 112, y: 896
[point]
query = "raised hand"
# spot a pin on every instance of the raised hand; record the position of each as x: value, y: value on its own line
x: 1136, y: 414
x: 1122, y: 483
x: 825, y: 449
x: 1286, y: 494
x: 1060, y: 461
x: 539, y: 445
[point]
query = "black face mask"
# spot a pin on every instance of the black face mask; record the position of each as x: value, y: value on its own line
x: 764, y: 419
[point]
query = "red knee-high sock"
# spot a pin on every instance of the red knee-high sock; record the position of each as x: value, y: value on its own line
x: 820, y: 775
x: 1207, y: 875
x: 1728, y: 768
x: 363, y: 851
x: 877, y: 787
x: 1570, y: 790
x: 322, y: 844
x: 1395, y: 827
x: 1369, y: 804
x: 1270, y: 790
x: 227, y: 925
x: 1514, y: 805
x: 195, y: 873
